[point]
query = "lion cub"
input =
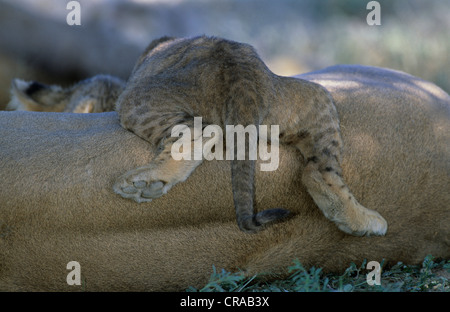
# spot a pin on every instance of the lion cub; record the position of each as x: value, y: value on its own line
x: 226, y: 83
x: 94, y: 95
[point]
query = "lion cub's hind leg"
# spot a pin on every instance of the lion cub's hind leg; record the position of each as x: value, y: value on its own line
x: 320, y: 142
x: 323, y: 181
x: 322, y: 177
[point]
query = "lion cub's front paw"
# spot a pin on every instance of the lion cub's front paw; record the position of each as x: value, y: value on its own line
x: 140, y: 185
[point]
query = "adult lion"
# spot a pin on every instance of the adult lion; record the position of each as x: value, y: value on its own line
x: 57, y: 204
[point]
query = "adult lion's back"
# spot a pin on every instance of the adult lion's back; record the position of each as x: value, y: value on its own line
x: 57, y: 205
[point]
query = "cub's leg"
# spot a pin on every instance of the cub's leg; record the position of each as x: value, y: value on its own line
x: 322, y: 177
x: 155, y: 179
x: 316, y: 133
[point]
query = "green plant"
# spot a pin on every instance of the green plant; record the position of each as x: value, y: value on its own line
x: 429, y: 276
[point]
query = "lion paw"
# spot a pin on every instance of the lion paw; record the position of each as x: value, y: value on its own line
x: 367, y: 223
x: 140, y: 186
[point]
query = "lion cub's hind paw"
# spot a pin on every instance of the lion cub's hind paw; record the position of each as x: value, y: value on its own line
x: 370, y: 224
x: 376, y: 225
x: 140, y: 191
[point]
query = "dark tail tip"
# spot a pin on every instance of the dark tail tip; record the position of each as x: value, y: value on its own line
x: 261, y: 220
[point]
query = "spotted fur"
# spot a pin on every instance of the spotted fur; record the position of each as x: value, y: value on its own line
x: 226, y: 83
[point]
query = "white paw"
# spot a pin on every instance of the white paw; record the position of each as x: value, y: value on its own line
x: 369, y: 223
x: 132, y: 186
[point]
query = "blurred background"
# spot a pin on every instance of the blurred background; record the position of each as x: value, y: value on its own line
x: 291, y: 36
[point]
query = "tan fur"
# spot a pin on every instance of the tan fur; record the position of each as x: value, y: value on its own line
x: 57, y: 204
x: 93, y: 95
x: 226, y: 83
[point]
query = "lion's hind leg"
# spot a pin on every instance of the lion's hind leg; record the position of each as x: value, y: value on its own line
x: 322, y: 177
x: 323, y: 181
